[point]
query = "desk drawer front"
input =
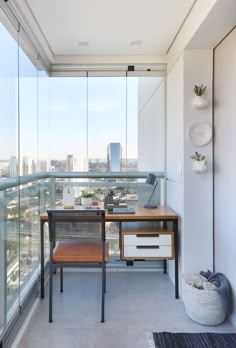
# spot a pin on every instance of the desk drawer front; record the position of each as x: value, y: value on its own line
x: 147, y: 239
x: 145, y: 251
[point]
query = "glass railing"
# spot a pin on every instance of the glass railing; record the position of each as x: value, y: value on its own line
x: 23, y: 199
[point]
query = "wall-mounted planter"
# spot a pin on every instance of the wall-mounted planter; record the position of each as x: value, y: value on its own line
x: 200, y: 102
x: 199, y: 166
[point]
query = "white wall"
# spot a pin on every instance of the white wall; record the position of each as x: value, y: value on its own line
x: 175, y: 146
x: 225, y: 164
x: 151, y: 93
x: 189, y: 193
x: 193, y: 22
x: 198, y: 201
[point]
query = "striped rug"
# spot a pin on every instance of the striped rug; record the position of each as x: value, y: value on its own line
x: 194, y: 340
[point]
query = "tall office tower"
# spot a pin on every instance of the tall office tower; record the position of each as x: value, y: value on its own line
x: 69, y: 163
x: 114, y: 157
x: 24, y: 167
x: 13, y: 166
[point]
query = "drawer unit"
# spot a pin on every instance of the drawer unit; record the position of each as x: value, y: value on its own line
x: 147, y: 245
x: 147, y: 239
x: 147, y: 251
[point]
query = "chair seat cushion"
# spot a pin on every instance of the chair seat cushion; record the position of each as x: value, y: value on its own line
x: 79, y: 252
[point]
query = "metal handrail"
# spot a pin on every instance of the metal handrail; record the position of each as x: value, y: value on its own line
x: 6, y: 183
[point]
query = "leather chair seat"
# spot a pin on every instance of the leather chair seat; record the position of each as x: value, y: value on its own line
x: 79, y: 252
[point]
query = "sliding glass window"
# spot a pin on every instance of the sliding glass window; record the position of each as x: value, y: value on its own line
x: 9, y: 203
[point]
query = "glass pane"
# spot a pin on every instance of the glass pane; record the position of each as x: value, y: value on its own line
x: 29, y: 236
x: 43, y: 122
x: 11, y: 227
x: 8, y: 103
x: 28, y: 115
x: 68, y: 124
x: 106, y: 123
x: 29, y: 198
x: 9, y: 207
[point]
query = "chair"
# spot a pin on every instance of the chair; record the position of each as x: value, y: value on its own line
x: 76, y: 241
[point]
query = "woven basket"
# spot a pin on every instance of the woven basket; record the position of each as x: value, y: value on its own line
x: 204, y: 306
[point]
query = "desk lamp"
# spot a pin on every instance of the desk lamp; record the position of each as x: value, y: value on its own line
x: 151, y: 180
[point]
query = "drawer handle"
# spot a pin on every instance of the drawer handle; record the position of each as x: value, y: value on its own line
x: 147, y: 235
x: 147, y: 246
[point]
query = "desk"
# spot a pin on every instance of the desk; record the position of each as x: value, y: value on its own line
x: 161, y: 214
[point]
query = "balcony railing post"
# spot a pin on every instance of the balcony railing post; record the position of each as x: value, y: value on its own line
x: 42, y: 203
x: 52, y: 192
x: 3, y: 260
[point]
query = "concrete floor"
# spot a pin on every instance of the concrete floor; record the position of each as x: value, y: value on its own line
x: 137, y: 303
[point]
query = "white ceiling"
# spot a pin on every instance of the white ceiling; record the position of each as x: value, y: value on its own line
x: 109, y: 26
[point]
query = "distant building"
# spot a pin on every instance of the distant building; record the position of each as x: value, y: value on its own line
x: 114, y: 157
x: 58, y: 165
x: 13, y: 166
x: 24, y: 167
x: 43, y: 165
x: 76, y: 163
x: 33, y: 166
x: 27, y: 166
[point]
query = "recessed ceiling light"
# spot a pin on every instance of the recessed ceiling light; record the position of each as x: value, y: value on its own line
x: 136, y: 43
x: 83, y: 43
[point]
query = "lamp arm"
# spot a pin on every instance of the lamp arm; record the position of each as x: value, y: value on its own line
x: 152, y: 193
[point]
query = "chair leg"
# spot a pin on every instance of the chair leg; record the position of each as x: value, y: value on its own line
x: 61, y: 279
x: 105, y: 280
x: 103, y: 292
x: 50, y: 292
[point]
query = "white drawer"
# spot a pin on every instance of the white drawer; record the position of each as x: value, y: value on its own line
x: 135, y: 252
x: 137, y: 239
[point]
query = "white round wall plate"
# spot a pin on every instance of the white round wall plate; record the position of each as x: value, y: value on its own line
x: 200, y: 133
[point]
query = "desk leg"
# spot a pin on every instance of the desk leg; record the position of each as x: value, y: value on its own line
x: 175, y: 228
x: 120, y: 235
x: 165, y: 266
x: 42, y: 258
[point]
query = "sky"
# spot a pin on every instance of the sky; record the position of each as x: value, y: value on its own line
x: 60, y: 116
x: 75, y: 115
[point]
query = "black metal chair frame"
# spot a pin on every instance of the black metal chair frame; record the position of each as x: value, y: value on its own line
x: 91, y: 215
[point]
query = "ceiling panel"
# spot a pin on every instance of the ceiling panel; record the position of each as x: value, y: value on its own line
x: 109, y: 27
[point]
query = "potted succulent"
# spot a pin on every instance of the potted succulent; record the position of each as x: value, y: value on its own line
x: 199, y: 100
x: 87, y: 198
x: 199, y: 163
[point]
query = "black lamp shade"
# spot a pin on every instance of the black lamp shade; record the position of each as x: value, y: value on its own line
x: 151, y: 179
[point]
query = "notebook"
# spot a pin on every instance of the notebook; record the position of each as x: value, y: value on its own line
x: 121, y: 211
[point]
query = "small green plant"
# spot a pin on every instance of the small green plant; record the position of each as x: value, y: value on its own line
x: 198, y: 157
x: 87, y: 194
x: 199, y: 90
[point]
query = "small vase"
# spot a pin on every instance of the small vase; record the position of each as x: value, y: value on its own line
x: 86, y: 202
x: 200, y: 102
x: 199, y: 166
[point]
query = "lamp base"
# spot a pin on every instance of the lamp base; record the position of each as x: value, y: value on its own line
x: 150, y: 206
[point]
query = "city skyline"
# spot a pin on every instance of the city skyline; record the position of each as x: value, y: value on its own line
x: 72, y: 162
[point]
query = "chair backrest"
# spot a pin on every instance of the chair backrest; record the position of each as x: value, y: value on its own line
x: 76, y: 224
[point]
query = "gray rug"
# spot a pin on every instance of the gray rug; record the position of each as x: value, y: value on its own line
x: 194, y: 340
